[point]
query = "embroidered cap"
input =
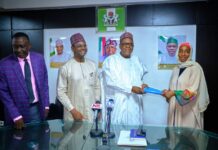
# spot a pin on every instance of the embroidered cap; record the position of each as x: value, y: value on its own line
x: 76, y: 38
x: 126, y: 35
x: 172, y: 40
x: 59, y: 42
x: 111, y: 42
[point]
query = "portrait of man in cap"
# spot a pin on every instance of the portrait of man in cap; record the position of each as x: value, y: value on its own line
x: 167, y: 49
x: 108, y: 46
x: 61, y: 56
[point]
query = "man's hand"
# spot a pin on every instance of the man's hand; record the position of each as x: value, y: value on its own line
x: 19, y: 124
x: 144, y: 86
x: 76, y: 115
x: 46, y: 113
x: 137, y: 90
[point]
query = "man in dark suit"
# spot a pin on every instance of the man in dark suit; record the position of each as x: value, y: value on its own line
x: 23, y: 84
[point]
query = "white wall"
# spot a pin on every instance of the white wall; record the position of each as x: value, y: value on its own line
x: 146, y: 47
x: 39, y: 4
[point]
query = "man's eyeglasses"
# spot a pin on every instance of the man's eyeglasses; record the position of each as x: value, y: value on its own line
x: 127, y: 44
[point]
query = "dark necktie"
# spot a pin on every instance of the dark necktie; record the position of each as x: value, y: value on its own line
x: 28, y: 80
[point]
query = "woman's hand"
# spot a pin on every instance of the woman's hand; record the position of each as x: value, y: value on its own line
x: 168, y: 94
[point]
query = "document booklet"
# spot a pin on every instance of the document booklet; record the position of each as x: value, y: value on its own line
x: 125, y: 139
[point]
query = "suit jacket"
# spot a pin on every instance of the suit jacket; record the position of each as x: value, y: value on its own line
x: 13, y: 90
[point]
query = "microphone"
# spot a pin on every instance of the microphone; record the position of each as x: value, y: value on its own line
x: 110, y: 106
x: 96, y: 107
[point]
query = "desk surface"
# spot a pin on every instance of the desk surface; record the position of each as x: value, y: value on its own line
x: 59, y: 135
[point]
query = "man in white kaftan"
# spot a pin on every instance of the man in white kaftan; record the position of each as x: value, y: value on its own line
x: 78, y: 84
x: 123, y: 75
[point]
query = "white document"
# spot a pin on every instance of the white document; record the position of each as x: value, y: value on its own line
x: 124, y: 140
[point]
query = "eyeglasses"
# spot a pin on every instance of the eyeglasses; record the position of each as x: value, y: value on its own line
x: 127, y: 44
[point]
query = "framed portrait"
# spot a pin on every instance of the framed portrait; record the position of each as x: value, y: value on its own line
x: 59, y: 50
x: 107, y: 46
x: 167, y: 50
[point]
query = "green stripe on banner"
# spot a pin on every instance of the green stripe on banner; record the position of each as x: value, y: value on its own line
x: 101, y: 13
x: 99, y: 45
x: 162, y: 39
x: 52, y: 53
x: 121, y: 21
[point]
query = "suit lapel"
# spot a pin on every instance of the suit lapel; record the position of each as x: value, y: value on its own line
x: 19, y: 74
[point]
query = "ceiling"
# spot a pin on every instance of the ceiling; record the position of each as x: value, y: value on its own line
x: 55, y: 4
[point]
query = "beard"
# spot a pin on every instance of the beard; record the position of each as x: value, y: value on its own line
x: 81, y: 53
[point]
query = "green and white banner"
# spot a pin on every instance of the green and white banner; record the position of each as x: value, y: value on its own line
x: 111, y: 19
